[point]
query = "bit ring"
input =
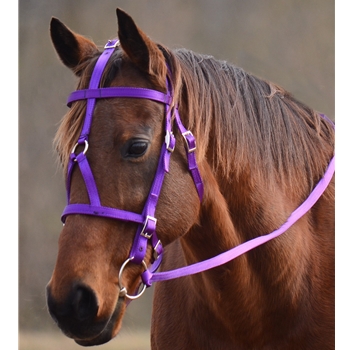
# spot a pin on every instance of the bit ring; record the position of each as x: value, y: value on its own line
x: 123, y: 291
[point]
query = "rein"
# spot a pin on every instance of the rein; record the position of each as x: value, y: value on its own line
x: 146, y: 231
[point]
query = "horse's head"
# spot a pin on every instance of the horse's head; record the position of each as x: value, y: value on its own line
x: 123, y: 151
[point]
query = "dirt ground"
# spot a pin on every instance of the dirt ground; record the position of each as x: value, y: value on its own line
x: 57, y: 341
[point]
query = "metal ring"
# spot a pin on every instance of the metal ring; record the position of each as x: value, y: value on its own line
x: 85, y: 148
x: 123, y: 291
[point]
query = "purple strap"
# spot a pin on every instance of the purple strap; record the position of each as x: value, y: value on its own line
x: 149, y: 229
x: 89, y: 179
x: 112, y: 92
x: 99, y: 210
x: 94, y: 83
x: 149, y: 277
x: 83, y: 139
x: 190, y: 149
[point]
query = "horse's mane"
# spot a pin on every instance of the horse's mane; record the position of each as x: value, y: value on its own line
x: 242, y: 123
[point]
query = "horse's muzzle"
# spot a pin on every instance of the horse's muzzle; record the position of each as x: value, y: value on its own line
x: 77, y: 317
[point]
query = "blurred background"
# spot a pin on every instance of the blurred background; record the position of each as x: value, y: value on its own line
x: 289, y: 42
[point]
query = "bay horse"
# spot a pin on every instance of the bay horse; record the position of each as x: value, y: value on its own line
x: 173, y: 158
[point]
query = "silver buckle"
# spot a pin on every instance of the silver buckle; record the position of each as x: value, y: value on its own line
x: 167, y: 141
x: 188, y: 146
x: 111, y: 45
x: 143, y: 233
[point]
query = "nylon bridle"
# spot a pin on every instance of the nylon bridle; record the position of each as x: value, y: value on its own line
x: 146, y: 221
x: 146, y: 231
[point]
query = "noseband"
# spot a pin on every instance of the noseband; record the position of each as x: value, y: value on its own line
x: 146, y: 231
x: 147, y: 222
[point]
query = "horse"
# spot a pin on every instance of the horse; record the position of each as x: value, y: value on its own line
x: 235, y: 155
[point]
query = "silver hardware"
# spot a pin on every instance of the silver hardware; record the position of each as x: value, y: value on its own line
x: 122, y: 290
x: 167, y: 141
x: 85, y: 148
x: 189, y: 150
x: 155, y: 254
x: 143, y: 233
x: 110, y: 44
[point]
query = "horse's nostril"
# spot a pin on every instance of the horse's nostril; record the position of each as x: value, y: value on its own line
x: 84, y: 303
x: 79, y: 305
x: 76, y: 312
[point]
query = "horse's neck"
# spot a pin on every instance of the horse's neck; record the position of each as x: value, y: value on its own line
x: 233, y: 214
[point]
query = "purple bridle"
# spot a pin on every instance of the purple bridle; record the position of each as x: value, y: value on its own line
x: 146, y: 231
x: 147, y: 222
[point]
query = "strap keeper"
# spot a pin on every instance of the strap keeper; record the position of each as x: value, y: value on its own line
x: 146, y: 278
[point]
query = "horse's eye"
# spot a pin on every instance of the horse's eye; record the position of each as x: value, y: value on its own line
x: 137, y: 148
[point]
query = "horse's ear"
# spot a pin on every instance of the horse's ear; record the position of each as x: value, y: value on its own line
x: 141, y: 50
x: 72, y: 48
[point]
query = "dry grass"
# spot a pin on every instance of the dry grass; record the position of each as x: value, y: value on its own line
x: 57, y: 341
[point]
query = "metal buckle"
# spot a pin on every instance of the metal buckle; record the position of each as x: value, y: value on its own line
x: 112, y: 44
x: 122, y: 290
x: 168, y: 136
x: 145, y: 234
x: 189, y: 133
